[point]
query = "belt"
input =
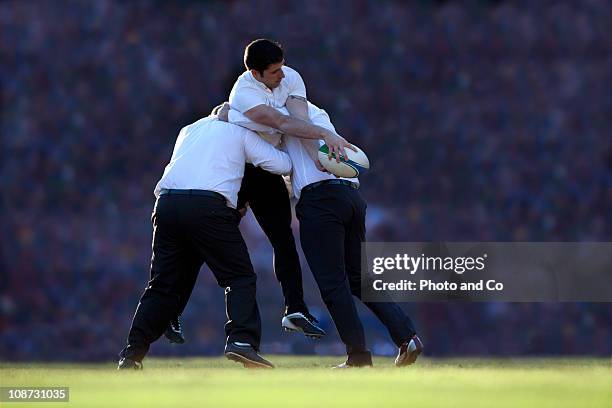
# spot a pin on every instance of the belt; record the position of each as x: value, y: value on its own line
x: 201, y: 193
x: 331, y: 181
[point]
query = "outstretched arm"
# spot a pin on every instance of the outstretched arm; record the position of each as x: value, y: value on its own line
x: 262, y: 154
x: 298, y: 107
x: 269, y: 116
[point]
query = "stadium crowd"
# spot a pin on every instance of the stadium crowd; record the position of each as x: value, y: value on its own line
x: 484, y: 121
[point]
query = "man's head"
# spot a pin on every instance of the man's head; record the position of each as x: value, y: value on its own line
x: 264, y: 58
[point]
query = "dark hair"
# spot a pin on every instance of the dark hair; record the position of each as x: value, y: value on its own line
x: 262, y: 53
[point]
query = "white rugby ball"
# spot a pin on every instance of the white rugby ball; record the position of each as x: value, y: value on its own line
x: 353, y: 165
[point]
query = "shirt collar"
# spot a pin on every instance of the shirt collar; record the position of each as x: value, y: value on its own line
x: 257, y: 83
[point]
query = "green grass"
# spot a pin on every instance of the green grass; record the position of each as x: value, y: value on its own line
x: 308, y: 382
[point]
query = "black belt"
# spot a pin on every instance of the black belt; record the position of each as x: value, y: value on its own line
x: 201, y: 193
x: 331, y: 181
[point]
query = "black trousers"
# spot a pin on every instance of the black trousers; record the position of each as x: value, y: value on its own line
x: 188, y: 231
x: 332, y: 228
x: 267, y: 196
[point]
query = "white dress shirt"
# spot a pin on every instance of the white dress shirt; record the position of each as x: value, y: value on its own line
x: 248, y: 93
x: 210, y: 155
x: 304, y: 169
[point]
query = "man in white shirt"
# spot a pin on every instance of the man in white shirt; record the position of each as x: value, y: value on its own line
x: 195, y: 221
x: 332, y: 227
x: 265, y: 85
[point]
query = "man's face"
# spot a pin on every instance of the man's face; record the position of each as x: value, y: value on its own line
x: 272, y: 76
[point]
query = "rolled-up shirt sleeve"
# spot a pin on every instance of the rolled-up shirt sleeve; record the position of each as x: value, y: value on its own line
x: 295, y: 83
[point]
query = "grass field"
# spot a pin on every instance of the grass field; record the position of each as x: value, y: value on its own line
x: 308, y: 382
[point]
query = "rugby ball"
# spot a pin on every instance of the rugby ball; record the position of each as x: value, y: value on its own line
x: 352, y: 166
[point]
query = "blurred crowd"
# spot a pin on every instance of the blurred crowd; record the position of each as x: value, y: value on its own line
x: 484, y: 120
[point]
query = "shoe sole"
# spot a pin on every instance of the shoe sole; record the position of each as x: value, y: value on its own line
x: 238, y: 358
x: 289, y: 327
x: 412, y: 356
x: 310, y: 336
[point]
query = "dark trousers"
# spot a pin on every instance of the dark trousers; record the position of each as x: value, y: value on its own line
x: 332, y: 228
x: 267, y: 196
x: 188, y: 231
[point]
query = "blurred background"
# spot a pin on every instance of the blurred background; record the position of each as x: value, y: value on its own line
x: 484, y: 120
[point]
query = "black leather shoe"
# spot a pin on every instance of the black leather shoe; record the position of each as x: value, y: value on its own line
x: 246, y: 355
x: 302, y: 322
x: 174, y: 332
x: 129, y: 364
x: 409, y: 351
